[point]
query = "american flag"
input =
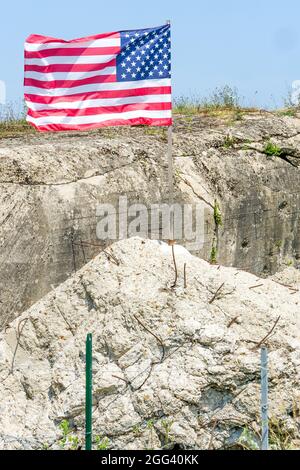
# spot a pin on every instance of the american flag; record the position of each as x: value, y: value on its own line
x: 112, y: 79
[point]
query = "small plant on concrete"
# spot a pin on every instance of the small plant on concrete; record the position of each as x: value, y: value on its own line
x: 280, y: 438
x: 166, y: 424
x: 73, y: 442
x: 248, y: 440
x: 102, y: 443
x: 217, y: 214
x: 159, y: 131
x: 177, y: 173
x: 68, y: 441
x: 272, y: 150
x: 137, y: 430
x: 290, y: 112
x: 238, y: 115
x: 213, y: 253
x: 229, y: 141
x: 65, y: 429
x: 150, y: 426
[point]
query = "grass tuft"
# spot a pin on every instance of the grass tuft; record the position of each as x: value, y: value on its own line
x: 13, y: 120
x: 222, y: 98
x: 290, y: 112
x: 272, y: 150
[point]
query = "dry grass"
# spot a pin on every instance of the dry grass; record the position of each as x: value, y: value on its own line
x: 12, y: 120
x: 223, y: 103
x: 15, y: 128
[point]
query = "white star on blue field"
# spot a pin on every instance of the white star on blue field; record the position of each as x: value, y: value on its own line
x: 145, y: 54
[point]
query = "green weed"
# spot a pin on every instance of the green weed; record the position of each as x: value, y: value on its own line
x: 213, y: 254
x: 166, y: 424
x: 68, y: 440
x: 217, y: 214
x: 272, y: 150
x: 102, y: 443
x: 229, y: 142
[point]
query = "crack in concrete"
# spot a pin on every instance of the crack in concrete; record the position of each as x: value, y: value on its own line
x: 63, y: 183
x: 284, y: 156
x: 195, y: 193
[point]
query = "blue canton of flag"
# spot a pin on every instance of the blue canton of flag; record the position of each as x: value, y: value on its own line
x: 145, y: 54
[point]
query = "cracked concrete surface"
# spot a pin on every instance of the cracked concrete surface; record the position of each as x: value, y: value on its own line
x: 50, y: 186
x: 171, y: 366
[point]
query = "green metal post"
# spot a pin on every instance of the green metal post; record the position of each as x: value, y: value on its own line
x: 264, y: 399
x: 88, y: 392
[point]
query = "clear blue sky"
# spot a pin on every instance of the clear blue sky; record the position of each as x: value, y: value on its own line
x: 253, y: 45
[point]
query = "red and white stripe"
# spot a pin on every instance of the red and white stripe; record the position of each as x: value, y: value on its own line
x: 71, y: 85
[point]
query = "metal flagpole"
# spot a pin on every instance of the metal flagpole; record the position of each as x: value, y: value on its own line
x: 171, y: 182
x: 88, y: 392
x: 170, y: 176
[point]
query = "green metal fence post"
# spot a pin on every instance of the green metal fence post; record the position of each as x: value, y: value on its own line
x: 88, y: 392
x: 264, y: 399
